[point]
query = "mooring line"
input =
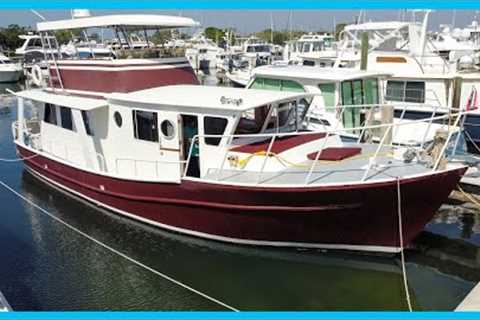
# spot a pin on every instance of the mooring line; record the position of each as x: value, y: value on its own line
x: 158, y: 273
x: 402, y: 255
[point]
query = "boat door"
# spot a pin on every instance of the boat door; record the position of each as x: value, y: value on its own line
x: 170, y: 145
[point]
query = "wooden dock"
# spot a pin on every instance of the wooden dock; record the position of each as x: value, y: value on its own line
x: 471, y: 301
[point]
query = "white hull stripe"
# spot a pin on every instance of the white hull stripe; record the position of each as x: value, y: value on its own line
x: 383, y: 249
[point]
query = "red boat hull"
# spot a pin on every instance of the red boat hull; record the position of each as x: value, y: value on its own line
x: 358, y: 217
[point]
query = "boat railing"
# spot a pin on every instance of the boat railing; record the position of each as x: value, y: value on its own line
x: 273, y: 137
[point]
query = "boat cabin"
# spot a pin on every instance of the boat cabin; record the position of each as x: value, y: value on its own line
x: 152, y: 134
x: 333, y: 88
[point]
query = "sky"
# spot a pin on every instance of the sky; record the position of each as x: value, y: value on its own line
x: 247, y: 21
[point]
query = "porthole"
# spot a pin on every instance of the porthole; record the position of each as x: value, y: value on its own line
x: 168, y: 129
x: 118, y: 118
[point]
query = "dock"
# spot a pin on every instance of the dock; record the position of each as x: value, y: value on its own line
x: 471, y: 301
x: 4, y: 306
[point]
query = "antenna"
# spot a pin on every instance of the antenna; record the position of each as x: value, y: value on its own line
x: 271, y: 27
x: 35, y: 12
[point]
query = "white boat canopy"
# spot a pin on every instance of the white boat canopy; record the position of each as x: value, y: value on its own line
x: 377, y: 26
x: 204, y: 98
x: 139, y: 21
x: 73, y: 102
x: 325, y: 74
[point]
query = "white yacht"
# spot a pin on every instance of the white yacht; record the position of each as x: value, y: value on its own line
x: 308, y: 46
x: 9, y: 71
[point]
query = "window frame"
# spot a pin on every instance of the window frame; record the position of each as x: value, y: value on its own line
x: 64, y: 111
x: 405, y: 97
x: 213, y: 141
x: 52, y: 110
x: 155, y: 136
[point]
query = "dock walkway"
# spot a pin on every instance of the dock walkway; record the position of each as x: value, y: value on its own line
x: 4, y: 306
x: 471, y: 301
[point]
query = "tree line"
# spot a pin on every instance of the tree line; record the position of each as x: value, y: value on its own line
x: 9, y: 36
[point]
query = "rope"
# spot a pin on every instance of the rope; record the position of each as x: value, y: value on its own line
x: 242, y: 163
x: 471, y: 140
x: 19, y: 159
x: 402, y: 255
x: 469, y: 196
x: 158, y: 273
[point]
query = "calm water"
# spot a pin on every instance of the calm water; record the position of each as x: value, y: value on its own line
x: 46, y: 266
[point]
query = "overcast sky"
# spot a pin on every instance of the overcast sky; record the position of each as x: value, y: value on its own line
x: 246, y: 21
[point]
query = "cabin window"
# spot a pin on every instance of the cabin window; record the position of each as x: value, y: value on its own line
x: 351, y: 95
x: 308, y: 63
x: 370, y: 89
x: 328, y: 93
x: 66, y: 116
x: 406, y: 91
x: 118, y: 119
x: 86, y: 122
x: 347, y: 98
x: 50, y: 114
x: 276, y: 85
x: 168, y: 129
x: 145, y: 125
x: 357, y: 92
x: 214, y: 125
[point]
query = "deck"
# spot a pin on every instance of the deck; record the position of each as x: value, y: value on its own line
x: 327, y: 172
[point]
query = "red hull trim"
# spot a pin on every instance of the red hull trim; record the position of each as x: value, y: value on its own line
x: 333, y: 217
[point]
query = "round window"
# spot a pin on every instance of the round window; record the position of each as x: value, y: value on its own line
x: 168, y: 129
x: 118, y: 118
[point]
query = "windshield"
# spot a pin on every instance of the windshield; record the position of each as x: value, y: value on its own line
x: 258, y: 49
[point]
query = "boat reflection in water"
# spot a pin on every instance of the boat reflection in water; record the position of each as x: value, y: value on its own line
x: 68, y: 272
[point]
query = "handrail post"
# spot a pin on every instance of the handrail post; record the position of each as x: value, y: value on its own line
x: 317, y: 156
x: 450, y: 133
x: 369, y: 118
x: 377, y: 152
x: 227, y: 150
x: 429, y: 125
x: 272, y: 141
x: 402, y: 115
x: 185, y: 171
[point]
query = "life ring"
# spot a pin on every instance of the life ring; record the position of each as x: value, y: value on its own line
x: 37, y: 75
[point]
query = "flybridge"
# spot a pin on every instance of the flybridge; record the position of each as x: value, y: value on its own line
x: 133, y: 62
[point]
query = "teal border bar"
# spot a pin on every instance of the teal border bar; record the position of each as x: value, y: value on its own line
x: 240, y: 4
x: 239, y: 316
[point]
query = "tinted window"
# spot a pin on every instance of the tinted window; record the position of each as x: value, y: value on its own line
x: 214, y: 126
x: 86, y: 123
x: 406, y: 91
x: 145, y: 125
x: 168, y: 129
x: 66, y: 116
x: 415, y: 91
x: 276, y: 84
x: 308, y: 63
x: 328, y: 94
x: 50, y: 115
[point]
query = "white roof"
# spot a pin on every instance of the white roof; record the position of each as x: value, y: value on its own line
x: 73, y: 102
x: 205, y: 97
x: 371, y: 26
x: 129, y: 20
x: 315, y: 73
